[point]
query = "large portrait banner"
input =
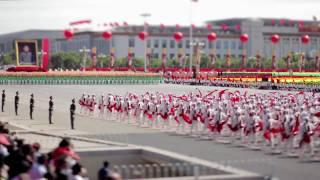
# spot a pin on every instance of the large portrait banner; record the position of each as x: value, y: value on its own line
x: 26, y: 52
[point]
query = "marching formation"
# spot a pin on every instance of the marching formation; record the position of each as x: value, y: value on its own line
x: 276, y: 122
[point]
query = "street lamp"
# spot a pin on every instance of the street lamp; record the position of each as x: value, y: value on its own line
x: 84, y: 50
x: 41, y: 53
x: 196, y: 46
x: 145, y: 29
x: 191, y: 32
x: 101, y: 55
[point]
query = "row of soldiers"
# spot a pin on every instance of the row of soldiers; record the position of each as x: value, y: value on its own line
x: 32, y: 106
x: 275, y: 121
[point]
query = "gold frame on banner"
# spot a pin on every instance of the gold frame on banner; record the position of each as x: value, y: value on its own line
x: 18, y: 53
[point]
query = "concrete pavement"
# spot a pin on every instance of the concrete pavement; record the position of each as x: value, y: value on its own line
x: 107, y: 130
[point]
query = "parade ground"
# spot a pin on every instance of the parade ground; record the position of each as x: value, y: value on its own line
x: 103, y: 129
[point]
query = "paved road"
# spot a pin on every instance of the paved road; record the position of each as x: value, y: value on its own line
x: 287, y: 169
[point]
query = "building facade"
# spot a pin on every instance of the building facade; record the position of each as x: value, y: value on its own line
x: 228, y: 32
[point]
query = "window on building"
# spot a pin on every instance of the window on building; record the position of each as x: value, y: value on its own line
x: 204, y: 45
x: 218, y: 56
x: 148, y: 43
x: 155, y: 55
x: 164, y: 43
x: 240, y: 46
x: 180, y: 44
x: 226, y: 45
x: 172, y: 44
x: 131, y: 42
x: 187, y: 44
x: 233, y: 45
x: 172, y: 56
x: 218, y: 45
x: 156, y: 43
x: 210, y: 45
x: 286, y: 41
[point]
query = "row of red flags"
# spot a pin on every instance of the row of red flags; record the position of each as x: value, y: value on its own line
x: 223, y: 26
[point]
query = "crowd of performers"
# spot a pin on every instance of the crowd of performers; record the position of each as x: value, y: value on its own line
x: 278, y: 122
x: 256, y: 85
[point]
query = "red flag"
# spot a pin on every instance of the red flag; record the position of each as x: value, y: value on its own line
x: 125, y: 23
x: 85, y: 21
x: 300, y: 23
x: 200, y: 93
x: 162, y: 26
x: 222, y: 92
x: 177, y: 26
x: 193, y: 26
x: 238, y: 27
x: 291, y: 23
x: 224, y: 27
x: 282, y: 22
x: 209, y: 26
x: 273, y: 22
x: 300, y: 93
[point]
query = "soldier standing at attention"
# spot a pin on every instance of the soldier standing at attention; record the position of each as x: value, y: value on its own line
x: 3, y: 99
x: 50, y: 110
x: 31, y: 106
x: 16, y: 103
x: 72, y: 112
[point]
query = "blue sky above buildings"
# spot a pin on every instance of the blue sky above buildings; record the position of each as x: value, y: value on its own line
x: 18, y: 15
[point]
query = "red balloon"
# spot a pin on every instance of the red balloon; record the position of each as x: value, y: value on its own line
x: 244, y: 38
x: 178, y: 36
x: 106, y: 35
x: 212, y: 36
x: 68, y: 34
x: 143, y: 35
x: 305, y: 39
x: 275, y: 38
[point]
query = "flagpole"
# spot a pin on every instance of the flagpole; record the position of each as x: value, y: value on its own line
x: 191, y: 37
x: 145, y: 29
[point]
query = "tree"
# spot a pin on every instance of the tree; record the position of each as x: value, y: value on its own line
x: 138, y: 62
x: 155, y: 63
x: 66, y: 60
x: 8, y: 59
x: 103, y: 61
x: 205, y: 61
x: 172, y: 63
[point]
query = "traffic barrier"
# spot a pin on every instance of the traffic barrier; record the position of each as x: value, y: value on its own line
x: 164, y: 170
x: 78, y: 80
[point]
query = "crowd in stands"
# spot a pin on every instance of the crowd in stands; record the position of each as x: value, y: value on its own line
x: 22, y: 161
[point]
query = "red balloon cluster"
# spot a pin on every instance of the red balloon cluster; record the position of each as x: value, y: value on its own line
x: 107, y: 35
x: 178, y: 36
x: 143, y: 35
x: 244, y: 38
x: 212, y: 36
x: 275, y: 38
x: 305, y: 39
x: 68, y: 34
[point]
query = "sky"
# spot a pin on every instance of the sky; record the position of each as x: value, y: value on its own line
x: 16, y: 15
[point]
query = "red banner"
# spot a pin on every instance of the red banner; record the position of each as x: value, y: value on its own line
x: 314, y: 29
x: 45, y: 53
